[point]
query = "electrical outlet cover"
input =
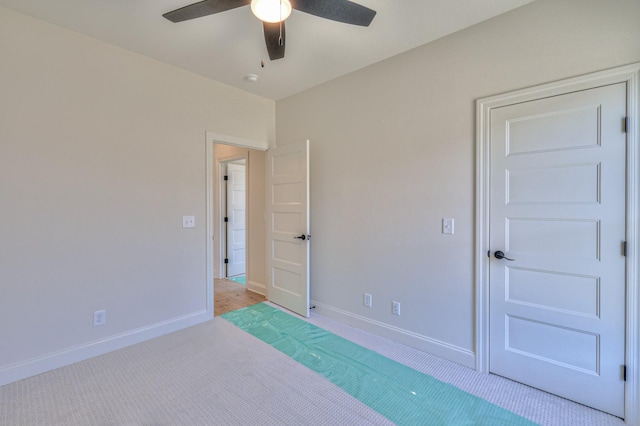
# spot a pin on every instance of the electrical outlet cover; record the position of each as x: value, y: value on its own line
x: 188, y: 221
x: 367, y: 300
x: 99, y: 318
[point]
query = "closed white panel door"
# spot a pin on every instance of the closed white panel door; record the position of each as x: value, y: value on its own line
x: 557, y: 298
x: 288, y: 227
x: 236, y: 216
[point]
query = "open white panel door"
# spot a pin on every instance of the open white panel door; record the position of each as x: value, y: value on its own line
x: 288, y: 227
x: 236, y: 220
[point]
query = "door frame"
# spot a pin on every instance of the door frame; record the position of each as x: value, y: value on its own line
x: 629, y: 74
x: 211, y: 139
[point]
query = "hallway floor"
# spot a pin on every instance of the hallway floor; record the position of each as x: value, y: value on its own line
x: 229, y: 296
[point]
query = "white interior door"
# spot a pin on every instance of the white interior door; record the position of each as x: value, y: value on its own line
x: 557, y: 310
x: 288, y: 227
x: 236, y: 220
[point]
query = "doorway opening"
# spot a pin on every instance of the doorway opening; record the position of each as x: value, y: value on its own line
x: 277, y: 200
x: 236, y: 218
x: 230, y: 290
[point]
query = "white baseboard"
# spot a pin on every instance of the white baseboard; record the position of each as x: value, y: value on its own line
x: 22, y: 370
x: 257, y: 287
x: 444, y: 350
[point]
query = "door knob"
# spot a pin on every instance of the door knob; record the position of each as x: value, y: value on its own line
x: 500, y: 255
x: 302, y: 237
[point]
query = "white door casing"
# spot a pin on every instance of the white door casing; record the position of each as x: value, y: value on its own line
x: 529, y: 265
x: 236, y: 219
x: 288, y: 227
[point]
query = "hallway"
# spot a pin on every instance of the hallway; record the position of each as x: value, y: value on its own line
x: 229, y: 296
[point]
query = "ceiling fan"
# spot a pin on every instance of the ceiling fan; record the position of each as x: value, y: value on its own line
x: 272, y: 13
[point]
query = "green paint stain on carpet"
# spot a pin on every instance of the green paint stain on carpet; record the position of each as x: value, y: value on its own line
x: 403, y: 395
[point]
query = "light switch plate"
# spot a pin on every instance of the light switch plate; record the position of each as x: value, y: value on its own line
x: 447, y: 225
x: 188, y: 221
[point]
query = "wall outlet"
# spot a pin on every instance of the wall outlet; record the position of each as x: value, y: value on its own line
x: 367, y: 300
x: 188, y: 221
x: 99, y: 318
x: 395, y: 308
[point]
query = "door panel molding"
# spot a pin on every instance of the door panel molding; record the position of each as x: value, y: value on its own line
x: 630, y: 75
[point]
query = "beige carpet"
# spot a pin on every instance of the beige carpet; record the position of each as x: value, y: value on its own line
x: 215, y: 374
x: 209, y: 374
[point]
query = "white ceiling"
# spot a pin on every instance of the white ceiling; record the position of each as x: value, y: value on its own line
x: 227, y: 46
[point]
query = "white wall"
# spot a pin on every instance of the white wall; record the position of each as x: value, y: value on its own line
x: 392, y: 153
x: 102, y: 151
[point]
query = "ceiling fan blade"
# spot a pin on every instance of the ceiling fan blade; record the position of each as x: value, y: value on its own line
x: 336, y: 10
x: 274, y: 37
x: 203, y: 8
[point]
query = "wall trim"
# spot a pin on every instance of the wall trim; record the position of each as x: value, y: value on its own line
x: 236, y: 141
x: 629, y: 74
x: 406, y: 337
x: 209, y: 211
x: 257, y: 287
x: 32, y: 367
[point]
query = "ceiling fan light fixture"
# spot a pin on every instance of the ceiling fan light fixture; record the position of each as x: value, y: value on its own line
x: 271, y: 10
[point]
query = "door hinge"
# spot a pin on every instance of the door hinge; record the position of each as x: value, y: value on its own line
x: 226, y: 177
x: 625, y: 124
x: 226, y: 261
x: 624, y: 373
x: 624, y: 248
x: 226, y: 219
